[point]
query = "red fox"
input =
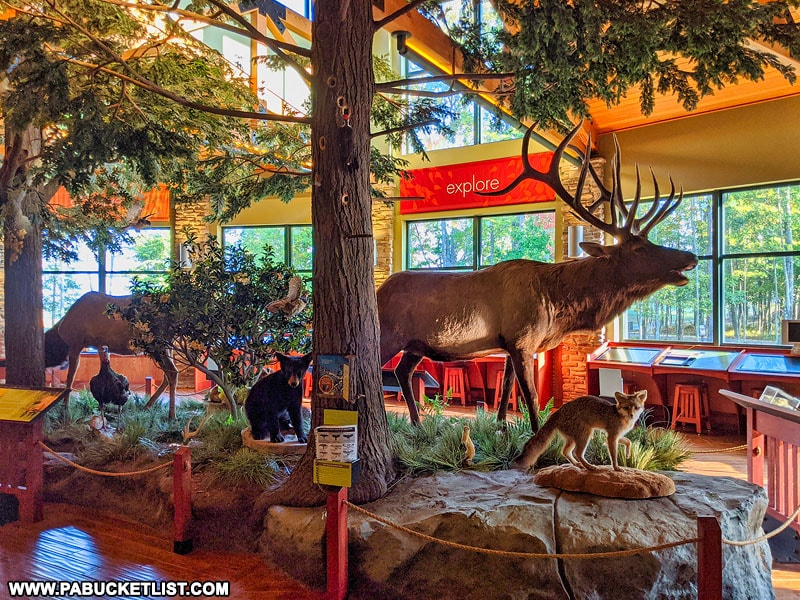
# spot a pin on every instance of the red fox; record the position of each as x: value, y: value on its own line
x: 577, y: 420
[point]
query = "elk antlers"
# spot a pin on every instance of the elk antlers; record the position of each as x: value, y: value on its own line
x: 624, y: 222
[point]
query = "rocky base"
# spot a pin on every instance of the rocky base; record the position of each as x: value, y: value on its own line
x: 506, y: 510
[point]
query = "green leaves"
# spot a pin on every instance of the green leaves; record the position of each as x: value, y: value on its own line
x: 217, y: 310
x: 564, y: 54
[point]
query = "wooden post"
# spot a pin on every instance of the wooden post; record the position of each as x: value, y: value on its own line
x: 709, y: 558
x: 148, y: 386
x: 182, y: 500
x: 336, y: 533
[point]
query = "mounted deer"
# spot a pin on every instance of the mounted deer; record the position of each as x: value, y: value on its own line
x: 86, y: 324
x: 524, y: 306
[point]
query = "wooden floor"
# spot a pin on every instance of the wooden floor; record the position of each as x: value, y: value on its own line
x: 74, y: 544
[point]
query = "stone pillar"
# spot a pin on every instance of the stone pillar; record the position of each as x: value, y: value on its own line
x: 383, y: 234
x: 183, y: 215
x: 569, y: 361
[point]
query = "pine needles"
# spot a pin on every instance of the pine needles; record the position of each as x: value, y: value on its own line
x: 436, y: 445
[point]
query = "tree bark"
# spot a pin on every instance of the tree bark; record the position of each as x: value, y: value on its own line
x: 345, y: 306
x: 22, y: 258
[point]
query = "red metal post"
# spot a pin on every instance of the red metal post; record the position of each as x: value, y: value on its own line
x: 709, y: 558
x: 336, y: 533
x: 182, y: 500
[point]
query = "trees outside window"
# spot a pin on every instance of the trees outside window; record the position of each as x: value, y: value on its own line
x: 745, y: 282
x: 145, y: 255
x: 469, y: 243
x: 292, y: 244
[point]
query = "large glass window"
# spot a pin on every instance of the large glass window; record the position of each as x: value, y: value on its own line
x: 468, y: 243
x: 685, y: 313
x: 746, y: 281
x: 293, y: 244
x: 145, y: 256
x: 759, y: 262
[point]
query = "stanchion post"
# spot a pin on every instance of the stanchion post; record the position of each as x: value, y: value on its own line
x: 148, y: 387
x: 336, y: 534
x: 182, y: 500
x: 709, y: 558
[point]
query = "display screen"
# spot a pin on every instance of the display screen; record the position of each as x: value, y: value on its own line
x: 642, y: 356
x: 770, y: 363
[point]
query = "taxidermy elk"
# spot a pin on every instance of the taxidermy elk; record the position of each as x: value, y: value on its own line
x: 86, y: 324
x: 525, y: 306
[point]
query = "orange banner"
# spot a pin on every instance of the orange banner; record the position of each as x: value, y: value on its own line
x: 459, y: 186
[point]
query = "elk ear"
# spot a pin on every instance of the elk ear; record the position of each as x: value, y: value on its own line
x: 595, y: 249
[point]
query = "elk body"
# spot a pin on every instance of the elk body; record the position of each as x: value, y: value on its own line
x: 523, y: 306
x: 86, y: 324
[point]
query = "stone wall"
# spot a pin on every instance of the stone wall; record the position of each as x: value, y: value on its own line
x: 383, y: 234
x: 569, y: 360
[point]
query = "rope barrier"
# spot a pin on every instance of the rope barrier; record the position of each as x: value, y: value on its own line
x: 731, y: 449
x: 766, y: 536
x: 64, y: 459
x: 568, y: 556
x: 508, y: 553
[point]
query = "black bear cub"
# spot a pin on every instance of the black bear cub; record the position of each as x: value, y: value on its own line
x: 275, y: 395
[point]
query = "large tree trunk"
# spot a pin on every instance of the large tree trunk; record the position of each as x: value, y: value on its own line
x: 345, y: 308
x: 22, y: 256
x: 23, y: 302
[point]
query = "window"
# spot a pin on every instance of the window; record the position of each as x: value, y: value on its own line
x: 293, y: 244
x: 474, y: 121
x: 469, y: 243
x: 145, y: 256
x: 746, y: 280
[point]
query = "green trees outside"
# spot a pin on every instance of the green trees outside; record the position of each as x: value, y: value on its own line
x: 217, y: 310
x: 756, y: 274
x: 760, y: 262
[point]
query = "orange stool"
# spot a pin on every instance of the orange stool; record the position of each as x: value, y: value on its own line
x: 456, y: 384
x: 691, y: 405
x: 513, y: 400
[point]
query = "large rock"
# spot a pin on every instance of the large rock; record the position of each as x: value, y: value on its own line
x: 505, y: 510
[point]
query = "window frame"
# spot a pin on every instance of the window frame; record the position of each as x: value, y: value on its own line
x: 288, y: 249
x: 477, y: 233
x: 718, y: 259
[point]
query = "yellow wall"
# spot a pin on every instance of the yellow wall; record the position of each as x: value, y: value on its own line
x: 737, y: 147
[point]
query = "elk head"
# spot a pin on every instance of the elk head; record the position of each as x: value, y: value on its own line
x: 641, y: 263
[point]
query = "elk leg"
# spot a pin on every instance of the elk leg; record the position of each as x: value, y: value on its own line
x: 508, y: 384
x: 527, y: 385
x: 404, y: 371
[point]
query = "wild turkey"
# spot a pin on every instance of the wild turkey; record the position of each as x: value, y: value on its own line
x: 109, y: 387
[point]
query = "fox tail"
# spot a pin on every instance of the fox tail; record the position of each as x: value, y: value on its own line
x: 537, y: 445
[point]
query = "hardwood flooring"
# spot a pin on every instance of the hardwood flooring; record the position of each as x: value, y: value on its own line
x: 75, y: 544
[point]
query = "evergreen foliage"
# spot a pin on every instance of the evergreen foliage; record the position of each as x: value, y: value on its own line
x: 436, y: 445
x: 217, y: 310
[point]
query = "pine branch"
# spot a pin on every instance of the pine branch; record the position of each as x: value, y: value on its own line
x: 246, y: 29
x: 391, y: 85
x: 398, y: 13
x: 148, y: 85
x: 404, y: 128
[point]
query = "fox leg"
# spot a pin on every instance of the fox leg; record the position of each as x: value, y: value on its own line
x: 581, y: 445
x: 569, y: 446
x: 614, y: 453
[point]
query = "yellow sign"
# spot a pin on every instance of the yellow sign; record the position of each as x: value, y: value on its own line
x: 24, y: 405
x: 340, y: 474
x: 332, y: 416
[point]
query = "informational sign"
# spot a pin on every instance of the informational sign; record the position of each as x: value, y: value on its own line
x: 336, y: 461
x: 461, y: 186
x: 23, y: 405
x: 333, y: 379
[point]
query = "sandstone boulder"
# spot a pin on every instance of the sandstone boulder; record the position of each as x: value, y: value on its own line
x: 506, y: 510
